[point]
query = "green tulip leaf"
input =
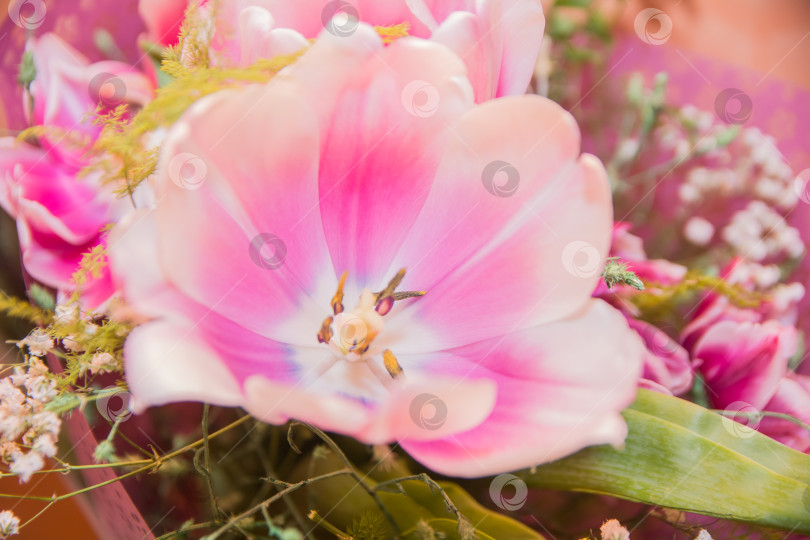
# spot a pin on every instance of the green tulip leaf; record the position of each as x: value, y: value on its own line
x: 412, y: 503
x: 680, y: 455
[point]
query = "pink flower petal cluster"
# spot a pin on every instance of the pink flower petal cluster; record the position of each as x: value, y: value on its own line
x: 505, y: 362
x: 60, y: 213
x: 497, y: 40
x: 667, y: 367
x: 744, y: 356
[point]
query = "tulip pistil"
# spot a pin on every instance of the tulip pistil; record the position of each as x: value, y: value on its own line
x: 351, y: 332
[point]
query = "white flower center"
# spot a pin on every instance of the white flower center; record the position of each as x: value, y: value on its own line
x: 350, y: 334
x: 353, y: 331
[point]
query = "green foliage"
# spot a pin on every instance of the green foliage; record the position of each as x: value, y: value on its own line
x: 682, y: 456
x: 617, y: 273
x: 122, y: 148
x: 420, y: 507
x: 667, y: 297
x: 42, y: 297
x: 15, y: 307
x: 67, y: 139
x: 28, y: 70
x: 368, y: 525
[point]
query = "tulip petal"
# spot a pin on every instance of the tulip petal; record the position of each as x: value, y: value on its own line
x: 167, y: 362
x: 403, y: 412
x: 561, y: 387
x: 264, y: 246
x: 373, y: 184
x: 493, y: 257
x: 743, y: 361
x: 499, y: 45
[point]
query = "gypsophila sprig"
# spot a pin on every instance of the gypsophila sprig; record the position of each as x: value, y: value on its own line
x: 9, y: 524
x: 28, y: 431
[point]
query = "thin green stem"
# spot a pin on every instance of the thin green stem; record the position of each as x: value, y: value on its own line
x: 267, y: 502
x: 35, y: 516
x: 460, y: 518
x: 195, y: 527
x: 321, y: 522
x: 207, y: 462
x: 68, y: 468
x: 151, y: 464
x: 356, y: 475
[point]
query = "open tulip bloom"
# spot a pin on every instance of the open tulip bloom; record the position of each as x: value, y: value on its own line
x: 325, y: 248
x: 362, y: 226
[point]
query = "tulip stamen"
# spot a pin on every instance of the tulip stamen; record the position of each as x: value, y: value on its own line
x: 350, y: 333
x: 391, y: 364
x: 337, y: 299
x: 325, y: 333
x: 384, y: 300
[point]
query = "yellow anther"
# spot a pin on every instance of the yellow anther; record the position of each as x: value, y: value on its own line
x: 337, y: 300
x: 392, y: 285
x: 393, y: 32
x: 325, y: 333
x: 391, y: 364
x: 408, y: 294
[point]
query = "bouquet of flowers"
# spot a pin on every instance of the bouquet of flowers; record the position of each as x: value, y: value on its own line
x: 372, y: 269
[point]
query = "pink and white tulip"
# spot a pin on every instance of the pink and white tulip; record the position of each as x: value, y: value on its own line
x: 267, y: 194
x: 497, y: 40
x: 744, y: 361
x: 667, y: 367
x: 68, y: 89
x: 59, y: 217
x: 792, y: 397
x: 60, y: 213
x: 163, y: 19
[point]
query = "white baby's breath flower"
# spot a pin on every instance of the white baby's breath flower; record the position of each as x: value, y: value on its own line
x: 613, y: 530
x: 66, y: 313
x: 45, y: 445
x: 103, y: 362
x: 25, y: 465
x: 9, y: 451
x: 12, y: 424
x: 10, y: 395
x: 72, y: 345
x: 41, y: 388
x: 46, y: 422
x: 9, y: 524
x: 698, y: 230
x: 38, y: 342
